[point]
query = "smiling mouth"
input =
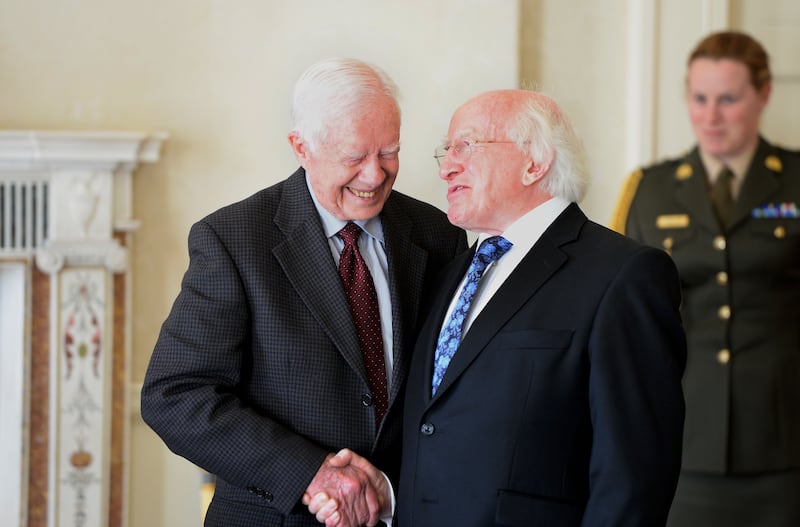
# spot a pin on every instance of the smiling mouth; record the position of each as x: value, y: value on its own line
x: 362, y: 194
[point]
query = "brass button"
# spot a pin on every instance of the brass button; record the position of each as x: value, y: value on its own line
x: 779, y: 232
x: 668, y: 242
x: 724, y: 356
x: 722, y: 278
x: 720, y: 243
x: 724, y: 312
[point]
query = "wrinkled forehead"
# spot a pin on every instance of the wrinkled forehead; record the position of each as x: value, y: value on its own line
x: 478, y: 119
x: 376, y: 114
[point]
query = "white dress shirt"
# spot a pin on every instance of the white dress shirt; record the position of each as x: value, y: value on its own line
x: 523, y: 234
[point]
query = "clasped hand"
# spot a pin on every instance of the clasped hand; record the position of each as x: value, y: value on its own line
x: 348, y: 491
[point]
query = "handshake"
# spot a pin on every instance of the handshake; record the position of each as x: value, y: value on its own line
x: 348, y: 491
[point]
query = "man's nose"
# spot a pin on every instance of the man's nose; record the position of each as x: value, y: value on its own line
x: 372, y: 171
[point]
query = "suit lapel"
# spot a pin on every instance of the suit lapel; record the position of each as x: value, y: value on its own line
x: 305, y: 258
x: 407, y: 264
x: 537, y: 267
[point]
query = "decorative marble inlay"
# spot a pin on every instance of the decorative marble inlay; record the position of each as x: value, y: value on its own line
x: 83, y: 397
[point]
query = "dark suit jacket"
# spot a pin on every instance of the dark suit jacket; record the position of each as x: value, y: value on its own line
x: 562, y: 406
x: 257, y: 373
x: 741, y: 305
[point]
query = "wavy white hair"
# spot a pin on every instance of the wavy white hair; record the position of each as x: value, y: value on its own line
x: 331, y: 89
x: 541, y: 129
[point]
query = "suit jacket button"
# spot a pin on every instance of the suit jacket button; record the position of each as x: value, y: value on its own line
x: 263, y: 494
x: 366, y: 399
x: 427, y: 429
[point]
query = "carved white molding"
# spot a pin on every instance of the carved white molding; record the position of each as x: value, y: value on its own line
x: 85, y: 180
x: 56, y: 255
x: 62, y: 150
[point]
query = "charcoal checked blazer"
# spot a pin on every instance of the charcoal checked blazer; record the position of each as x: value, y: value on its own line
x: 563, y: 405
x: 257, y: 372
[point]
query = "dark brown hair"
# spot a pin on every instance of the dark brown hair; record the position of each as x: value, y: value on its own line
x: 738, y: 46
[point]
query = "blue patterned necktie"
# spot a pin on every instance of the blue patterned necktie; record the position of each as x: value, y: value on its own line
x: 490, y: 250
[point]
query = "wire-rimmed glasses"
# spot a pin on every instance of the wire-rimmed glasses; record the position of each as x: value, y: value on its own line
x: 461, y: 150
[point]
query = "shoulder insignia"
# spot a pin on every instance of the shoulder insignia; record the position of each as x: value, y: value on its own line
x: 620, y: 216
x: 684, y: 171
x: 773, y: 163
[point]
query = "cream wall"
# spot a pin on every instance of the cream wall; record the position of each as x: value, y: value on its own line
x: 575, y: 51
x: 217, y: 76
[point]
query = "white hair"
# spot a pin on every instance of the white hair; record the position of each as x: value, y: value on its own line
x: 543, y: 131
x: 331, y: 89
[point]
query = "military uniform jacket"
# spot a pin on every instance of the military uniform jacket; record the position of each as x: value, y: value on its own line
x: 257, y: 373
x: 741, y: 305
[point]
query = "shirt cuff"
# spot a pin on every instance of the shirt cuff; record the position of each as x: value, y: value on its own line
x: 388, y: 519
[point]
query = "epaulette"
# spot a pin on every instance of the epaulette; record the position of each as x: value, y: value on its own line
x: 620, y: 216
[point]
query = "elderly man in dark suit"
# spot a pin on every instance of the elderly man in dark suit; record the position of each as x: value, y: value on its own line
x: 272, y: 359
x: 545, y: 387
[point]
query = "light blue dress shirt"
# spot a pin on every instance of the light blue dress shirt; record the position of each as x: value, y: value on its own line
x: 371, y: 246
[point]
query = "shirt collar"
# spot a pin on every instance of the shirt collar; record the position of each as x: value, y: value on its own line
x: 332, y: 225
x: 738, y: 164
x: 527, y: 230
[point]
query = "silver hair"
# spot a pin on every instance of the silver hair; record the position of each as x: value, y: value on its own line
x: 331, y: 89
x: 541, y: 129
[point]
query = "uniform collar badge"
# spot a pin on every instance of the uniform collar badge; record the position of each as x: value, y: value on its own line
x: 684, y: 171
x: 773, y: 163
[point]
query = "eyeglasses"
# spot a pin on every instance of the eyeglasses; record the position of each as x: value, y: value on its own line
x: 461, y: 150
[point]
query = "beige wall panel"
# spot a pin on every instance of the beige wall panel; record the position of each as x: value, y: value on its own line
x: 575, y: 51
x: 776, y: 24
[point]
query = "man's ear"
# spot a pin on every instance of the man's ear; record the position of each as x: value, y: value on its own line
x: 536, y: 171
x: 299, y: 147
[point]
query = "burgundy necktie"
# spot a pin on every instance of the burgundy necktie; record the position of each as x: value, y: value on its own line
x: 360, y: 291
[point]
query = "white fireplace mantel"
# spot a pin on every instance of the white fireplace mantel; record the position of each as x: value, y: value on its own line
x: 66, y: 208
x: 70, y: 149
x: 63, y: 194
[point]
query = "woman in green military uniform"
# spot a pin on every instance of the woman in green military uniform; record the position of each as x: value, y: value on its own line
x: 728, y: 213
